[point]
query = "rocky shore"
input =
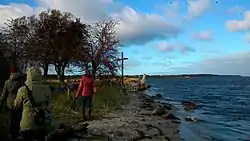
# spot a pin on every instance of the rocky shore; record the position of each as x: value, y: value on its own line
x: 140, y: 119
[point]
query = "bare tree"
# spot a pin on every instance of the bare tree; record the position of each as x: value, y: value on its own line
x: 103, y: 49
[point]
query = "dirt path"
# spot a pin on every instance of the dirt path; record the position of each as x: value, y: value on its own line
x: 135, y: 122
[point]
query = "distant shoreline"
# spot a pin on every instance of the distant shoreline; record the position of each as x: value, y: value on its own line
x: 158, y: 76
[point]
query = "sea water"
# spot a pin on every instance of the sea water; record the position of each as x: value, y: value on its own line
x: 224, y: 106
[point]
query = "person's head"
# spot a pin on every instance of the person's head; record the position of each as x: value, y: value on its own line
x: 14, y: 69
x: 87, y: 73
x: 34, y: 74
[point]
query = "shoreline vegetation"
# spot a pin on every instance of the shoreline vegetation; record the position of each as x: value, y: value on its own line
x: 157, y: 76
x: 117, y: 115
x: 68, y: 44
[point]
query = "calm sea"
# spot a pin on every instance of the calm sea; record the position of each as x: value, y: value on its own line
x: 224, y: 111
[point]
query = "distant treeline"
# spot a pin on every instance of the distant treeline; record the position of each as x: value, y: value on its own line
x: 152, y: 76
x: 49, y: 77
x: 186, y: 75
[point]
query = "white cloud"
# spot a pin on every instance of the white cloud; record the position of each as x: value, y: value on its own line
x: 14, y: 10
x: 205, y: 35
x: 197, y: 7
x: 239, y: 25
x: 131, y: 63
x: 247, y: 38
x: 134, y: 28
x: 185, y: 49
x: 87, y: 10
x: 233, y: 64
x: 165, y: 47
x: 138, y: 28
x: 236, y: 9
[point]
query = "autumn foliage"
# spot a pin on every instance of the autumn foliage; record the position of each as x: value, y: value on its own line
x: 62, y: 41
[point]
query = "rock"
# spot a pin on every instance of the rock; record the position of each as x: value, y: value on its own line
x: 110, y: 131
x: 167, y: 138
x: 145, y: 105
x: 176, y: 122
x: 118, y: 133
x: 191, y: 119
x: 189, y: 103
x: 159, y: 111
x: 148, y: 86
x: 149, y: 108
x: 166, y: 106
x: 169, y: 115
x: 189, y: 106
x: 158, y: 95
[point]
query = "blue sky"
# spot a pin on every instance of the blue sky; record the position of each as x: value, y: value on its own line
x: 165, y: 36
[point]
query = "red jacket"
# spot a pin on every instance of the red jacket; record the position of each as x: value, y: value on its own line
x: 86, y: 87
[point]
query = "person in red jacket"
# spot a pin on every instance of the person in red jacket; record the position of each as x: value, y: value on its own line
x: 85, y: 93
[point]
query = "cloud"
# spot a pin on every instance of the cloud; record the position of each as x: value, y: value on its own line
x: 135, y: 27
x: 14, y: 10
x: 235, y: 9
x: 239, y: 25
x: 165, y: 47
x: 247, y: 38
x: 197, y: 7
x: 172, y: 10
x: 131, y: 63
x: 138, y: 28
x: 185, y: 49
x: 233, y: 64
x: 203, y: 35
x: 85, y: 9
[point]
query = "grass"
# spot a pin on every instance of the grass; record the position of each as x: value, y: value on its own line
x: 105, y: 100
x: 64, y: 110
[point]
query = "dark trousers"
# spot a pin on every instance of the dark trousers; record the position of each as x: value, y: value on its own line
x: 15, y: 118
x: 32, y: 135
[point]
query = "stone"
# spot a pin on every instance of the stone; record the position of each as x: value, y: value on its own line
x: 189, y: 103
x: 176, y: 121
x: 158, y: 95
x: 191, y: 119
x: 118, y: 133
x: 169, y: 115
x: 159, y: 111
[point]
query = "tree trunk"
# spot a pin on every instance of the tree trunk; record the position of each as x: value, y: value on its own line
x: 94, y: 72
x: 60, y: 68
x: 45, y: 71
x: 61, y: 77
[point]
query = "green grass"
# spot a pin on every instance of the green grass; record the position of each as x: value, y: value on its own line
x: 105, y: 100
x: 63, y: 109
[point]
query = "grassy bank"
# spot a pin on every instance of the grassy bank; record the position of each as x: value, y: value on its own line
x: 64, y: 109
x: 106, y: 99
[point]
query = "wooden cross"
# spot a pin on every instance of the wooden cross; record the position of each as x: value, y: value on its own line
x: 122, y: 59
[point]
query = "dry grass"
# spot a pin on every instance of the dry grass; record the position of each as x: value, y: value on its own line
x: 65, y: 111
x: 105, y: 100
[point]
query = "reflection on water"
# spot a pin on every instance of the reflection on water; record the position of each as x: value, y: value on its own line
x: 224, y: 105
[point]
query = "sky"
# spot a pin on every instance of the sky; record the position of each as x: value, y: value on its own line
x: 164, y: 36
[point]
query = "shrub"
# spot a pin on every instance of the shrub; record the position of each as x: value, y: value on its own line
x: 106, y: 99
